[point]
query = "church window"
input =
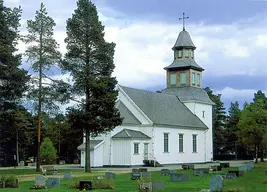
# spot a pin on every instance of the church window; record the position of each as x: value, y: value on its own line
x: 203, y: 114
x: 183, y: 78
x: 180, y: 53
x: 198, y: 79
x: 193, y: 78
x: 181, y: 143
x: 173, y: 78
x: 166, y: 142
x: 186, y: 53
x: 136, y: 148
x: 194, y: 143
x: 191, y: 53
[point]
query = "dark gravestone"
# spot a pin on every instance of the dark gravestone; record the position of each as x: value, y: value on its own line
x: 230, y: 176
x: 110, y: 175
x: 157, y: 185
x: 165, y: 172
x: 67, y: 176
x: 216, y: 184
x: 238, y: 173
x: 135, y: 175
x: 172, y: 171
x: 191, y: 166
x: 53, y: 182
x: 86, y: 185
x: 145, y: 187
x: 179, y: 177
x: 142, y: 169
x: 225, y: 165
x: 146, y: 175
x: 185, y: 167
x: 243, y: 168
x: 198, y: 172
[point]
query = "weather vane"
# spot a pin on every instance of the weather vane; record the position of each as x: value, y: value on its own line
x: 183, y: 18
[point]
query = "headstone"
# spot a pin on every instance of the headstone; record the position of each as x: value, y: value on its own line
x: 216, y: 183
x: 146, y: 175
x: 172, y: 171
x: 185, y: 167
x: 135, y: 175
x: 191, y: 166
x: 231, y: 175
x: 238, y: 173
x: 157, y: 185
x: 225, y: 165
x: 86, y: 185
x: 40, y: 180
x: 53, y: 182
x: 147, y: 187
x: 198, y: 172
x: 68, y: 176
x: 165, y: 172
x: 21, y: 163
x: 179, y: 177
x: 110, y: 175
x: 205, y: 190
x: 243, y: 168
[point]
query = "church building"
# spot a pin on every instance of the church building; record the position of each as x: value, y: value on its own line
x: 173, y: 126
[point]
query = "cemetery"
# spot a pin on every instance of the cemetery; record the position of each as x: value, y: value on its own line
x: 244, y: 178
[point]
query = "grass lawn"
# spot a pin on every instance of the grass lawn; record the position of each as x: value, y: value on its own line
x: 250, y: 182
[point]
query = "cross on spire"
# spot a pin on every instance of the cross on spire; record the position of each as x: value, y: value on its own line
x: 183, y: 18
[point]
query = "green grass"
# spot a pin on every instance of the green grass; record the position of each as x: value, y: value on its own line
x: 250, y: 182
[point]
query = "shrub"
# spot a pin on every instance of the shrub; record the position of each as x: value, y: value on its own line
x: 48, y: 153
x: 10, y: 181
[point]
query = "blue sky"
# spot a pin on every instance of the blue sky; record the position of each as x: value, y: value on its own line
x: 230, y: 36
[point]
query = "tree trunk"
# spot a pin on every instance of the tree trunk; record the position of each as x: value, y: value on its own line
x: 87, y: 152
x: 256, y: 153
x: 17, y: 147
x: 261, y: 154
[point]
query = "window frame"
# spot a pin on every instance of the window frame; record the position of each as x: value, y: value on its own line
x: 136, y: 144
x: 180, y: 53
x: 193, y: 78
x: 194, y: 142
x: 181, y: 144
x: 203, y: 114
x: 186, y: 53
x: 180, y: 75
x: 166, y: 145
x: 171, y: 74
x: 198, y: 79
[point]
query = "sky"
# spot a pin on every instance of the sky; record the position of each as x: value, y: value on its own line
x: 230, y: 36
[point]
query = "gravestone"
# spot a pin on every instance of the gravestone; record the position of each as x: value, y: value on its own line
x: 205, y: 190
x: 185, y: 167
x: 198, y: 172
x: 238, y: 173
x: 146, y: 175
x: 191, y: 166
x: 135, y: 175
x: 22, y: 163
x: 68, y: 176
x: 110, y: 175
x: 243, y: 168
x: 179, y: 177
x: 86, y: 185
x: 172, y: 171
x: 231, y: 175
x: 216, y: 183
x: 165, y: 172
x: 40, y: 180
x: 147, y: 187
x: 225, y: 165
x: 53, y: 182
x: 157, y: 185
x: 249, y: 167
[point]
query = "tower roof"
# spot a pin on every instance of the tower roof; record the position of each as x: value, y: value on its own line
x: 183, y: 40
x: 184, y: 63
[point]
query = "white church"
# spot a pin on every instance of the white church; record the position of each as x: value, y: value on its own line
x: 171, y: 127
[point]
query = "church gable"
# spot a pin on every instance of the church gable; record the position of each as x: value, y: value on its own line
x: 128, y: 116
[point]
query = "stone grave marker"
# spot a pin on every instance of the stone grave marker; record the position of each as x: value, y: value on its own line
x: 68, y: 176
x: 198, y: 172
x: 185, y: 167
x: 172, y: 171
x: 135, y: 175
x: 157, y: 185
x: 110, y: 175
x: 231, y: 175
x: 243, y: 168
x: 179, y: 177
x: 40, y: 180
x: 216, y: 183
x: 165, y: 172
x: 21, y: 163
x: 147, y: 187
x: 146, y: 175
x: 191, y: 166
x: 53, y: 182
x: 238, y: 173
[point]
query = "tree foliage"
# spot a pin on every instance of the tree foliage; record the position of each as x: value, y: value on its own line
x: 48, y: 153
x: 89, y: 60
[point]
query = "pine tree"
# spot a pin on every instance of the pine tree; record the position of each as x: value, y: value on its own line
x: 13, y: 80
x: 89, y: 59
x: 43, y: 54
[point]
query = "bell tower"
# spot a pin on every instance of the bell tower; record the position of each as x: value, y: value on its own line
x: 184, y: 71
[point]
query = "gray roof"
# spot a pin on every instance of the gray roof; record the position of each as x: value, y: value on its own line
x: 184, y: 62
x: 130, y: 134
x: 183, y: 40
x: 189, y: 94
x: 128, y: 117
x: 93, y: 143
x: 164, y: 109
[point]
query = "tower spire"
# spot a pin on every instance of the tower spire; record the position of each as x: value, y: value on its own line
x: 183, y: 18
